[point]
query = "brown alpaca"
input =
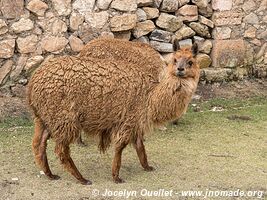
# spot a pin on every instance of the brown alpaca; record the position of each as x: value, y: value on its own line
x: 140, y: 54
x: 110, y: 93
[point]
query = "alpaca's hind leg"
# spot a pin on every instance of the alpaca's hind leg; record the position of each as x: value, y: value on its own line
x: 39, y: 148
x: 141, y: 152
x: 80, y: 142
x: 63, y: 151
x: 116, y: 164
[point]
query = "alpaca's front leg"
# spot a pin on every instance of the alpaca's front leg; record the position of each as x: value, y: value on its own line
x: 116, y: 164
x: 141, y: 152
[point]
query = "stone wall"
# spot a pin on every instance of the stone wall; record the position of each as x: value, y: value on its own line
x: 231, y: 33
x: 239, y: 40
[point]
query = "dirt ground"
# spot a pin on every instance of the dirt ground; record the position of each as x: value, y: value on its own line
x: 219, y: 145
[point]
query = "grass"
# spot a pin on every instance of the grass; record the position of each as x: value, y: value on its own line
x: 206, y: 150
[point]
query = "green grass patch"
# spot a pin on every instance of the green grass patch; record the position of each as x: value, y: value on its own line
x: 15, y: 121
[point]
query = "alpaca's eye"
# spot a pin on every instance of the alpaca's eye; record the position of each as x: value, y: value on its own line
x: 190, y: 63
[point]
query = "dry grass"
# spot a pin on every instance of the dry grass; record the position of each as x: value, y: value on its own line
x: 205, y: 151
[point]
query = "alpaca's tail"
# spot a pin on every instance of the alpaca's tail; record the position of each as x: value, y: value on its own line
x: 104, y: 140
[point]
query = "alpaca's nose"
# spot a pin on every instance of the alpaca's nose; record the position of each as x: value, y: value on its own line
x: 180, y: 69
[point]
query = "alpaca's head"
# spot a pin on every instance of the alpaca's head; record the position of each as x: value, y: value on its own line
x: 183, y: 64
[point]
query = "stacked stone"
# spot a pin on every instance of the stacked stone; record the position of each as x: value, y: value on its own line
x: 32, y: 31
x: 240, y: 47
x: 160, y: 22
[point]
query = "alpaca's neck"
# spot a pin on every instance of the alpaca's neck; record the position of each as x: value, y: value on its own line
x: 170, y: 98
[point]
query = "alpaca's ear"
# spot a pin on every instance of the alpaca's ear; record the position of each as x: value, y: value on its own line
x: 194, y: 49
x: 176, y: 45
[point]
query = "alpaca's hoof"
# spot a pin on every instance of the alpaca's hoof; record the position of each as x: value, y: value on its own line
x: 86, y: 182
x: 53, y: 177
x: 119, y: 180
x: 149, y: 169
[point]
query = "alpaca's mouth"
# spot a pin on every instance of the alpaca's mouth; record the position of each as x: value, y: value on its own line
x: 180, y: 74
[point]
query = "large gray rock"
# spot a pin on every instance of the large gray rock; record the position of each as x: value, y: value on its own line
x: 141, y: 15
x: 249, y: 5
x: 7, y: 48
x: 222, y: 5
x: 53, y: 25
x: 187, y: 43
x: 32, y: 63
x: 97, y: 20
x: 263, y: 6
x: 162, y: 46
x: 22, y: 25
x: 103, y: 4
x: 124, y: 5
x: 124, y: 35
x: 76, y: 44
x: 250, y: 32
x: 262, y: 34
x: 157, y: 3
x: 21, y: 61
x: 5, y: 70
x: 201, y: 3
x: 205, y: 47
x: 27, y: 44
x: 184, y: 32
x: 123, y: 22
x: 205, y: 21
x: 261, y: 51
x: 200, y: 29
x: 169, y: 5
x: 227, y: 18
x: 203, y: 60
x: 151, y: 13
x: 107, y: 34
x: 141, y: 3
x: 228, y: 53
x: 12, y: 8
x: 198, y: 39
x: 169, y: 22
x: 3, y: 27
x: 251, y: 18
x: 206, y: 11
x: 188, y: 10
x: 57, y: 26
x: 183, y: 2
x: 54, y: 44
x: 143, y: 28
x: 76, y: 19
x: 86, y: 33
x: 161, y: 35
x: 83, y: 6
x: 63, y: 7
x: 188, y: 13
x: 143, y: 39
x: 221, y: 33
x: 37, y: 7
x: 216, y: 75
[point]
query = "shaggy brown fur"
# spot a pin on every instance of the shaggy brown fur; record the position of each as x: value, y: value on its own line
x: 116, y: 49
x: 112, y: 90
